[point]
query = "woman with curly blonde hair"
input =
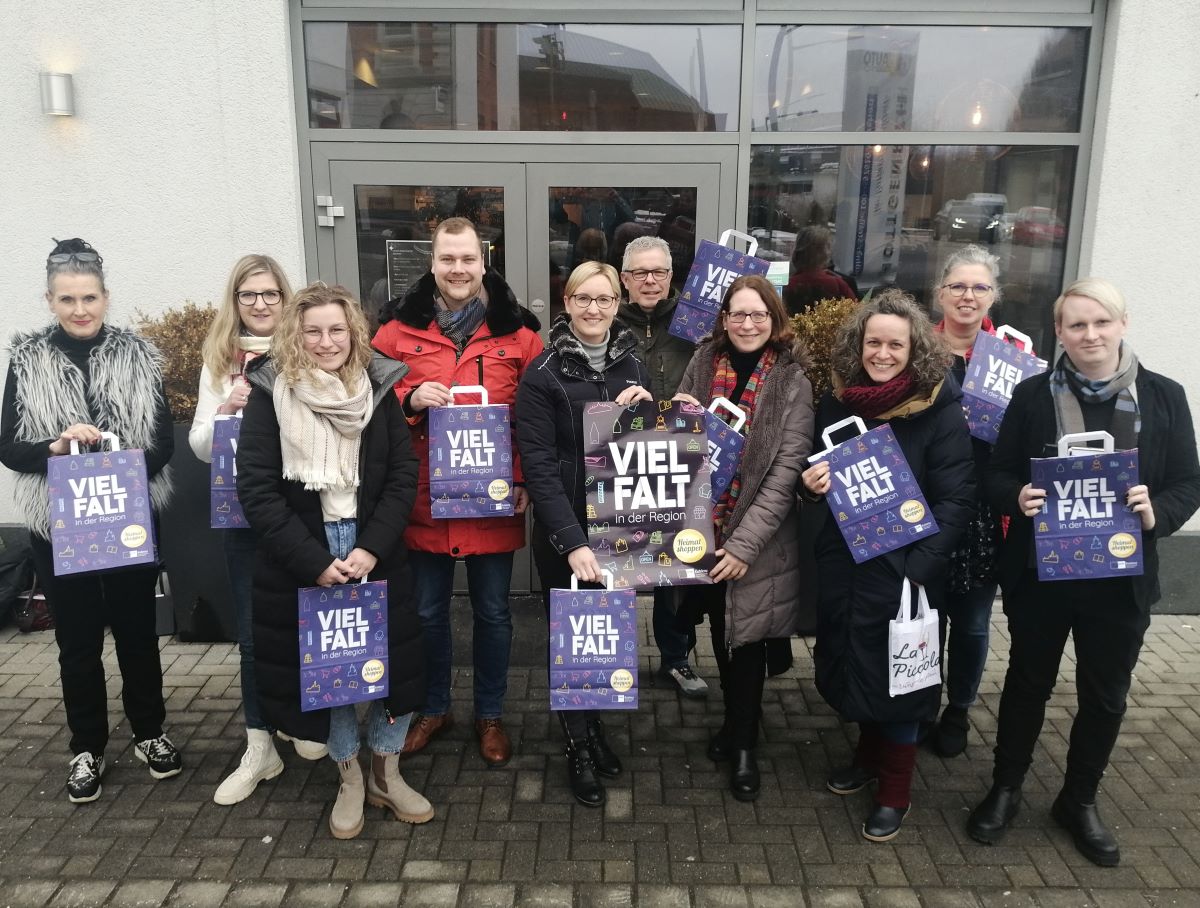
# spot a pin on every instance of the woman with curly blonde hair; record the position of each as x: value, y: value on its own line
x: 889, y: 366
x: 327, y: 478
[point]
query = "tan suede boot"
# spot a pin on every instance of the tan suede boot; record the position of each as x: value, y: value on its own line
x: 385, y: 788
x: 346, y: 818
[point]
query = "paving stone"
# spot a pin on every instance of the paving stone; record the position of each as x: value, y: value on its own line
x: 316, y: 895
x: 256, y: 895
x: 198, y: 895
x: 488, y: 896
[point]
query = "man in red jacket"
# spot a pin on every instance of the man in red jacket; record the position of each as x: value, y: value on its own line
x: 461, y: 325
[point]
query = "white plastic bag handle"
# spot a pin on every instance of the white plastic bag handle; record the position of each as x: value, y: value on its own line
x: 109, y: 437
x: 738, y: 414
x: 468, y: 389
x: 751, y: 242
x: 1067, y: 444
x: 827, y: 435
x: 903, y: 615
x: 608, y: 580
x: 1006, y: 331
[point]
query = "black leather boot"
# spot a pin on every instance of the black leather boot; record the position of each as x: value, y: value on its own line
x: 850, y: 779
x: 883, y: 823
x: 990, y: 819
x: 1092, y: 838
x: 950, y: 739
x: 720, y: 746
x: 585, y: 786
x: 743, y: 776
x: 603, y: 758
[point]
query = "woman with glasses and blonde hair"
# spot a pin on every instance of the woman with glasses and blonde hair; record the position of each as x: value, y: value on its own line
x: 754, y: 360
x: 255, y: 294
x: 590, y: 357
x: 327, y: 478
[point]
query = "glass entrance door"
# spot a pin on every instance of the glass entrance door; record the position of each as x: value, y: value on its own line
x: 537, y: 219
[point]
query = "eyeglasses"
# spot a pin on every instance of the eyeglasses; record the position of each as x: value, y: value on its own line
x: 61, y: 258
x: 602, y: 302
x: 739, y: 318
x: 314, y: 335
x: 250, y: 297
x: 959, y: 290
x: 641, y: 274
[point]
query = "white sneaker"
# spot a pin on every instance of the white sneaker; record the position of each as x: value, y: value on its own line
x: 259, y: 763
x: 689, y: 683
x: 309, y: 750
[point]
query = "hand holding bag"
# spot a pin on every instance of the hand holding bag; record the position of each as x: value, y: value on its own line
x: 914, y: 647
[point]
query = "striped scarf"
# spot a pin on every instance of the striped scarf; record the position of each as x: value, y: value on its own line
x: 459, y: 325
x: 723, y: 384
x: 1068, y: 387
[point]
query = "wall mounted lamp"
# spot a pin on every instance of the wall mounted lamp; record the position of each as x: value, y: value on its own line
x: 58, y: 94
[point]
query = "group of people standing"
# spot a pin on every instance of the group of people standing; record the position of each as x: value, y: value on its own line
x: 333, y: 475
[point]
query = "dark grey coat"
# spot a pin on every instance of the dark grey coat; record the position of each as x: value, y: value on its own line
x: 764, y: 528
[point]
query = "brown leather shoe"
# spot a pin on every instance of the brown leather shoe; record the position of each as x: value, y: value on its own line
x: 423, y: 730
x: 494, y: 744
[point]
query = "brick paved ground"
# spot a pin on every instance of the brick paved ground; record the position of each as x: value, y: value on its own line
x: 670, y: 834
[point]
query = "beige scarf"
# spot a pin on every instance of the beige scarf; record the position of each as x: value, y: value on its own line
x: 320, y: 429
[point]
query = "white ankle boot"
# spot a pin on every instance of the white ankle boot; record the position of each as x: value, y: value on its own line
x: 309, y: 750
x: 387, y: 789
x: 259, y: 762
x: 346, y: 818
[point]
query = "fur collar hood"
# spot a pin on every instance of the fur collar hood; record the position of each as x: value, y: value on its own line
x: 564, y: 343
x: 504, y: 314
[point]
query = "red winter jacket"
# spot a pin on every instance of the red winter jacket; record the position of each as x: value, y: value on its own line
x: 496, y: 357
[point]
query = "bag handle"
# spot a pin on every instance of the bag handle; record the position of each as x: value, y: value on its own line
x: 827, y: 435
x: 1084, y: 439
x: 110, y: 437
x: 902, y: 614
x: 608, y: 580
x: 738, y: 414
x: 468, y: 389
x: 751, y: 242
x: 1004, y: 332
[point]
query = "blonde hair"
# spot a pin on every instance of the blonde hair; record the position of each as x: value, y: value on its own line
x: 1094, y: 288
x: 220, y: 351
x: 588, y: 270
x: 287, y: 343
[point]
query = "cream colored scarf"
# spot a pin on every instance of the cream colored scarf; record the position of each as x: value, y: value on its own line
x: 320, y: 429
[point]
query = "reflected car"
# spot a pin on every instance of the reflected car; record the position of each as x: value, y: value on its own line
x: 966, y: 222
x: 1037, y: 226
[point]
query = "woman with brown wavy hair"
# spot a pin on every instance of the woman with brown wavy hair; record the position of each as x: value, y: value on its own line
x: 888, y: 367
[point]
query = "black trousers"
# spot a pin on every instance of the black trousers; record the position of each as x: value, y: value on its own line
x: 1108, y: 627
x: 83, y: 604
x: 743, y: 671
x: 556, y: 572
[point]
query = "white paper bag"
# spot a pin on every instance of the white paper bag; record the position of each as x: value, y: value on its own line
x: 914, y: 647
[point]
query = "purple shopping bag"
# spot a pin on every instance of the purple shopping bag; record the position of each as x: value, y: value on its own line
x: 343, y: 632
x: 873, y: 496
x: 715, y: 267
x: 225, y: 512
x: 470, y: 458
x: 593, y: 648
x: 995, y: 369
x: 725, y: 444
x: 1085, y: 529
x: 100, y: 515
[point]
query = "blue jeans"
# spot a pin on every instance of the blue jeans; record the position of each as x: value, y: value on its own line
x: 674, y: 640
x: 239, y: 547
x: 970, y: 617
x: 488, y: 579
x: 383, y: 737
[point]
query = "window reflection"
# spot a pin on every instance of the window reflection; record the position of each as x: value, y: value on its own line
x: 494, y: 76
x: 897, y: 211
x: 879, y: 78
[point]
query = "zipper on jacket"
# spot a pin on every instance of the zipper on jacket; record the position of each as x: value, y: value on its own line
x: 479, y: 362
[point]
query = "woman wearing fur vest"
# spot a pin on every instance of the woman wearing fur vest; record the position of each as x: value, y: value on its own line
x: 753, y: 605
x: 590, y: 357
x: 68, y: 382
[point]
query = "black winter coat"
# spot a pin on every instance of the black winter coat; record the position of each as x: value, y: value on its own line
x: 292, y: 550
x: 1167, y: 465
x: 856, y: 602
x: 549, y: 418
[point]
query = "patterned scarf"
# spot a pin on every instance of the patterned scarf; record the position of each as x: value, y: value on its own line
x: 1068, y: 387
x: 869, y: 401
x: 320, y: 429
x: 459, y: 325
x: 723, y: 384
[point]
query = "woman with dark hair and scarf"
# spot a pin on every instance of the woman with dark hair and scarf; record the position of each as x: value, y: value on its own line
x: 888, y: 367
x: 1096, y: 385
